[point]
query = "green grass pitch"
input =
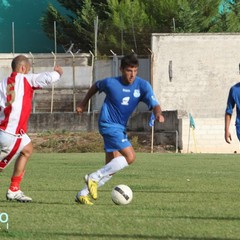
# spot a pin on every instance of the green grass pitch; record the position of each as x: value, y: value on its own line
x: 175, y: 197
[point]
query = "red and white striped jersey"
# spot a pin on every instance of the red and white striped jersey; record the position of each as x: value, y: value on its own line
x: 16, y: 94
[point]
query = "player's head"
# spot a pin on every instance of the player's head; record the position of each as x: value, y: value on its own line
x: 129, y: 68
x: 21, y: 64
x: 130, y: 60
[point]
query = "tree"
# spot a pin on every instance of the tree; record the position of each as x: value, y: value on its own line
x: 233, y: 16
x: 75, y: 28
x: 125, y: 28
x: 183, y: 15
x: 126, y: 25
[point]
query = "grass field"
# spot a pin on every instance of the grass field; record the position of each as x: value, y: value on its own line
x: 176, y: 196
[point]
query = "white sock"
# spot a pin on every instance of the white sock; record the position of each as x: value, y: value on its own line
x: 110, y: 168
x: 85, y: 191
x: 104, y: 180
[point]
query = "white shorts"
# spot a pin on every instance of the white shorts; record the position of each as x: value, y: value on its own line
x: 10, y: 146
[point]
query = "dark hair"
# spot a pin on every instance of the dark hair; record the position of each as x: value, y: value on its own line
x: 130, y: 60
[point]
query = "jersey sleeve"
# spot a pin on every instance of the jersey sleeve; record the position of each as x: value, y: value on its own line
x: 148, y: 97
x: 101, y: 85
x: 42, y: 80
x: 230, y: 102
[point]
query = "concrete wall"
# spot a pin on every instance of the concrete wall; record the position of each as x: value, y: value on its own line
x: 204, y: 66
x: 208, y: 137
x: 79, y: 73
x: 77, y: 70
x: 165, y: 134
x: 42, y: 122
x: 193, y: 72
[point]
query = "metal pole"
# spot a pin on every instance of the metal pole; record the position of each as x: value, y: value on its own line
x: 32, y: 61
x: 13, y: 39
x: 177, y: 139
x: 33, y: 102
x: 55, y: 37
x: 74, y: 92
x: 115, y: 64
x: 121, y: 34
x: 174, y: 27
x: 152, y: 138
x: 96, y: 34
x: 93, y: 78
x: 151, y: 66
x: 54, y: 64
x: 151, y: 82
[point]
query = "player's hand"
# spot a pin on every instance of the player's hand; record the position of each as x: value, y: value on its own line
x: 228, y: 137
x: 80, y: 109
x: 58, y: 69
x: 160, y: 118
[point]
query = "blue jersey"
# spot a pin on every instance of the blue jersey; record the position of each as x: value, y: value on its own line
x: 121, y: 99
x: 234, y: 99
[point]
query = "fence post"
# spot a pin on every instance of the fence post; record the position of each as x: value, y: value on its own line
x: 74, y: 85
x: 54, y: 64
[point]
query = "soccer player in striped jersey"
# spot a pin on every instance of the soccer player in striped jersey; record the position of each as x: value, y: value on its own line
x: 16, y: 93
x: 123, y: 94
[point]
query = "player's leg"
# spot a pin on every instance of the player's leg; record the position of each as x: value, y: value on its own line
x: 83, y: 195
x: 14, y: 192
x: 9, y: 145
x: 130, y: 156
x: 116, y: 159
x: 108, y: 157
x: 119, y: 162
x: 20, y: 166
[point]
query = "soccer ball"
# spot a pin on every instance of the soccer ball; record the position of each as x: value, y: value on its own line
x: 122, y: 194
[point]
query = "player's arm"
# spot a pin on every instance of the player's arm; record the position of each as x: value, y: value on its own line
x: 83, y: 103
x: 45, y: 78
x: 228, y: 137
x: 150, y: 99
x: 158, y: 114
x: 58, y: 69
x: 228, y: 115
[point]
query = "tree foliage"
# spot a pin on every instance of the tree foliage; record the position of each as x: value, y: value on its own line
x: 126, y: 25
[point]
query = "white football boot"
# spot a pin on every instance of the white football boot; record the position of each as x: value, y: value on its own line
x: 18, y: 196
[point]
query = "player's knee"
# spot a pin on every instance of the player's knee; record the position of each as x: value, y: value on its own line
x: 131, y: 158
x: 27, y: 151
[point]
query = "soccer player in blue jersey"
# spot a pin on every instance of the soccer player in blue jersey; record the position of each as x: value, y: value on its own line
x: 233, y: 99
x: 123, y: 94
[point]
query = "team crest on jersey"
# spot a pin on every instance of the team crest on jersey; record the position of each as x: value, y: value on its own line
x: 125, y: 100
x: 153, y: 98
x: 136, y: 93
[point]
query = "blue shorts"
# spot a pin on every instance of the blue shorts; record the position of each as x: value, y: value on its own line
x: 114, y: 136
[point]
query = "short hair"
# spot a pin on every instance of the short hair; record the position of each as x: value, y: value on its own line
x: 130, y: 60
x: 18, y: 61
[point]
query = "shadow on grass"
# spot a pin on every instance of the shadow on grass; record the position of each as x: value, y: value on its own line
x: 41, y: 235
x: 137, y: 236
x: 37, y: 202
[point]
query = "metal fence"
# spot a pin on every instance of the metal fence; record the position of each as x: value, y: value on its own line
x: 80, y: 71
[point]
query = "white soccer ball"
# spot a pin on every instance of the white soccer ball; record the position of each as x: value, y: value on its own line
x: 122, y: 194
